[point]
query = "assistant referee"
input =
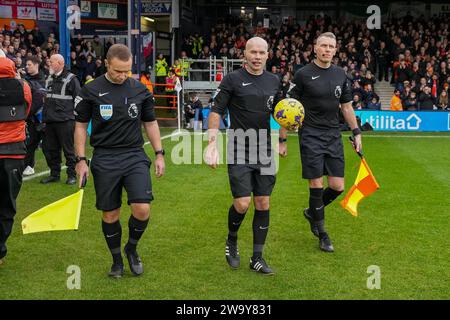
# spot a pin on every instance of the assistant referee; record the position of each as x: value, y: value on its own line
x: 117, y: 106
x: 249, y: 95
x: 323, y: 89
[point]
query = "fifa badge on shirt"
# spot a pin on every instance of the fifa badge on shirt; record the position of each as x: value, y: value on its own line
x: 106, y: 111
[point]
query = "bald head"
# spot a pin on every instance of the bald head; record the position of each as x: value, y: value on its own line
x: 56, y: 63
x: 256, y: 41
x: 256, y: 54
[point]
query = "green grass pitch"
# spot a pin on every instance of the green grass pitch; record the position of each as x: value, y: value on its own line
x: 402, y: 228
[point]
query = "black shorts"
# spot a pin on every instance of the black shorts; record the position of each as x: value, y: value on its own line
x: 112, y: 171
x: 322, y: 153
x: 247, y: 179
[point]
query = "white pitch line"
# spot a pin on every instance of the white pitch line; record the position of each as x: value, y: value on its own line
x: 40, y: 174
x: 387, y: 136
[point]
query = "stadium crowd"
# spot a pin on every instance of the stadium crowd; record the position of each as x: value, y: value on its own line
x: 87, y: 56
x: 412, y: 54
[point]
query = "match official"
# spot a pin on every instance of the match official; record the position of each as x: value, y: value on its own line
x: 118, y: 105
x: 249, y: 95
x: 323, y: 88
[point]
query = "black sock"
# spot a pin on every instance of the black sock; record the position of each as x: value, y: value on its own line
x: 136, y: 230
x: 234, y: 222
x: 329, y: 195
x: 113, y: 236
x: 260, y: 230
x: 316, y: 205
x: 317, y: 209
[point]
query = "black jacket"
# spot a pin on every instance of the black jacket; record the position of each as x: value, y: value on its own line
x: 61, y: 93
x: 38, y: 92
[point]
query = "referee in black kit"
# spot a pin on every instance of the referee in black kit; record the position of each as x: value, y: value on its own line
x: 323, y: 88
x: 249, y: 95
x: 117, y: 106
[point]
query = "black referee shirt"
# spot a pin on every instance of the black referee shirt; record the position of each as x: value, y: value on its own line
x: 321, y: 91
x: 116, y: 110
x: 249, y: 100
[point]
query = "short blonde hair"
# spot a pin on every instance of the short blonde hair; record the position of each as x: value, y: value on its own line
x: 326, y: 35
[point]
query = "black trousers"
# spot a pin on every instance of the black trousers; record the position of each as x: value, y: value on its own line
x: 33, y: 139
x: 10, y: 183
x: 383, y: 71
x: 57, y: 136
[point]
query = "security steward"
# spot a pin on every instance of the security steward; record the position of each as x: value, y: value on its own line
x: 15, y: 102
x: 58, y: 115
x: 323, y: 89
x: 118, y: 105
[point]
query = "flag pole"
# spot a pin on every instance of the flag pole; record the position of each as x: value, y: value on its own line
x: 360, y: 153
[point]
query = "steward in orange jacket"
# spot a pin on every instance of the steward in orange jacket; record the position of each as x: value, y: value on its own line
x: 15, y: 102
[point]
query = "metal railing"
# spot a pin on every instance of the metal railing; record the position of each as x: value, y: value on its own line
x: 211, y: 70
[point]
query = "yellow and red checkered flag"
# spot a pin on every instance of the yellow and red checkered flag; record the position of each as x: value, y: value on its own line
x: 365, y: 184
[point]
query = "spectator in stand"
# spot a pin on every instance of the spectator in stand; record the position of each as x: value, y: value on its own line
x: 411, y: 103
x: 382, y: 59
x: 98, y: 48
x: 286, y: 83
x: 368, y: 79
x: 426, y: 100
x: 88, y: 50
x: 374, y: 104
x: 100, y: 68
x: 357, y: 103
x: 368, y: 94
x: 435, y: 86
x: 443, y: 101
x: 90, y: 67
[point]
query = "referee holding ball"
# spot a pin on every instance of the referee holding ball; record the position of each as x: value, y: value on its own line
x: 249, y: 95
x: 117, y: 106
x: 323, y: 89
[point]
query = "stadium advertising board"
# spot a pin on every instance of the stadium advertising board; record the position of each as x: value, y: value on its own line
x: 406, y: 120
x: 39, y: 9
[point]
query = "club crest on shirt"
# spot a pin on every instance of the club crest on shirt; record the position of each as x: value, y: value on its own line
x: 338, y: 92
x: 270, y: 103
x: 106, y: 111
x: 133, y: 111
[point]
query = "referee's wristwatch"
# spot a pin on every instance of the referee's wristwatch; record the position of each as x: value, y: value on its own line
x: 78, y: 159
x: 356, y: 131
x: 161, y: 152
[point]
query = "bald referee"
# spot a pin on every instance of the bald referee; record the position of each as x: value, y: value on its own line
x: 249, y: 95
x: 118, y: 106
x: 323, y: 89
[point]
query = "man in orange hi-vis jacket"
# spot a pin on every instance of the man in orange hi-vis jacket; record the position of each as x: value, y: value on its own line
x: 396, y: 102
x: 146, y: 81
x: 15, y: 105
